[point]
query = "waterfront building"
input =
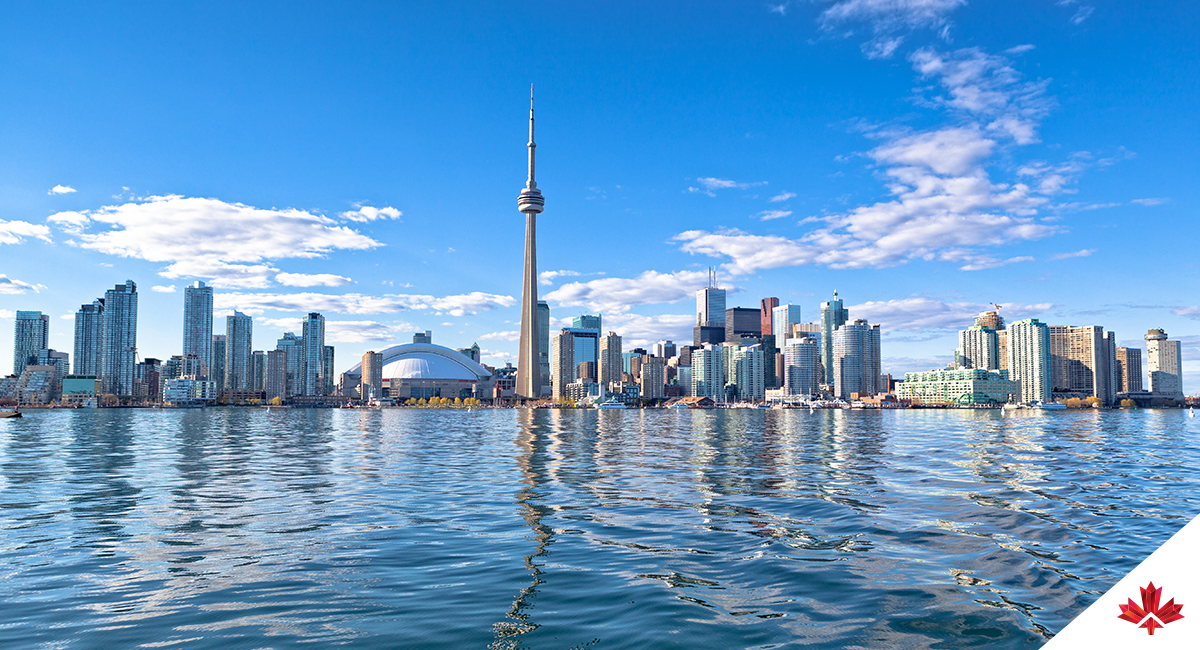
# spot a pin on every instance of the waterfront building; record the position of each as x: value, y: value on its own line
x: 198, y: 323
x: 89, y: 326
x: 1129, y: 370
x: 292, y: 346
x: 802, y: 366
x: 147, y: 379
x: 766, y: 309
x: 772, y: 361
x: 182, y: 365
x: 1082, y: 363
x: 216, y: 371
x: 856, y: 359
x: 327, y: 374
x: 708, y: 372
x: 239, y: 351
x: 1002, y: 348
x: 978, y: 347
x: 562, y: 362
x: 742, y: 322
x: 277, y: 374
x: 1164, y: 359
x: 610, y: 362
x: 37, y: 384
x: 1029, y: 358
x: 748, y: 373
x: 653, y: 378
x: 543, y: 312
x: 833, y: 316
x: 31, y: 332
x: 80, y: 390
x: 963, y: 386
x: 118, y: 339
x: 258, y: 374
x: 530, y: 203
x: 372, y: 375
x: 312, y: 361
x: 785, y: 317
x: 425, y: 370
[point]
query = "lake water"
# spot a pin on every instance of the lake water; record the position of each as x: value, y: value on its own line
x: 557, y: 529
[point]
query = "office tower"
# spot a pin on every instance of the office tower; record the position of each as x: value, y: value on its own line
x: 710, y: 304
x: 198, y: 322
x: 978, y: 347
x: 543, y: 310
x: 1114, y: 373
x: 372, y: 375
x: 277, y: 374
x: 833, y: 316
x: 586, y: 321
x: 586, y: 372
x: 1080, y: 363
x: 216, y: 371
x: 802, y: 366
x: 293, y: 349
x: 1002, y: 348
x: 740, y: 321
x: 425, y: 337
x: 328, y: 379
x: 89, y: 326
x: 239, y: 351
x: 562, y: 362
x: 708, y: 372
x: 118, y: 339
x: 1164, y: 360
x: 258, y: 371
x: 609, y: 365
x: 529, y: 357
x: 1129, y: 369
x: 784, y: 317
x: 665, y: 349
x: 31, y: 332
x: 1029, y: 358
x: 990, y: 319
x: 856, y: 359
x: 766, y: 310
x: 748, y: 373
x: 771, y: 374
x: 653, y: 379
x: 312, y: 360
x: 811, y: 330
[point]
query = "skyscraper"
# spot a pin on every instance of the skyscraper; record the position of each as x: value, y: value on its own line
x: 783, y: 318
x: 198, y: 322
x: 767, y: 305
x: 562, y: 362
x: 328, y: 379
x: 277, y: 374
x: 31, y: 332
x: 833, y: 316
x: 239, y: 351
x: 1129, y: 369
x: 372, y: 375
x: 543, y: 310
x: 1081, y: 362
x: 1164, y: 359
x: 802, y: 366
x: 708, y: 372
x: 856, y: 359
x: 610, y: 365
x: 258, y: 371
x: 978, y: 347
x: 312, y: 360
x: 1029, y: 358
x: 741, y: 321
x: 89, y: 326
x: 653, y: 377
x: 748, y: 373
x: 529, y: 356
x: 293, y: 349
x: 216, y: 373
x: 118, y: 339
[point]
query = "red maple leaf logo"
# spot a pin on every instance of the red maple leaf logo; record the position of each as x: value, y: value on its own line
x: 1150, y: 615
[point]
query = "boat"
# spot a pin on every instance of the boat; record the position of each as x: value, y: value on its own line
x: 10, y: 414
x: 1191, y: 412
x: 1048, y: 406
x: 679, y: 406
x: 612, y: 403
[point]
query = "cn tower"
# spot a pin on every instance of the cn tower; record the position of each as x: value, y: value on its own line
x: 529, y: 369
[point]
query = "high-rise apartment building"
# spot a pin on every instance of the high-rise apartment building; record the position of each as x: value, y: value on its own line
x: 312, y: 362
x: 1164, y: 360
x: 328, y: 379
x: 708, y: 372
x: 258, y: 371
x: 118, y: 339
x: 802, y: 366
x: 665, y: 349
x: 562, y: 362
x: 784, y: 318
x: 1029, y: 358
x: 653, y: 379
x: 372, y: 375
x: 833, y: 316
x: 31, y: 332
x: 749, y: 373
x: 610, y: 363
x: 856, y: 359
x: 543, y: 318
x: 239, y: 351
x: 979, y: 347
x: 1082, y: 362
x: 198, y: 322
x: 89, y: 327
x: 293, y: 348
x: 216, y: 371
x: 1129, y: 370
x: 768, y: 315
x: 990, y: 319
x: 277, y: 374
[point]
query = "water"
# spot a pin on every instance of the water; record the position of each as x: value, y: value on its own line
x: 638, y: 529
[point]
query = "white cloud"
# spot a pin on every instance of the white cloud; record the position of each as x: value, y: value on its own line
x: 782, y: 196
x: 639, y: 331
x: 61, y: 189
x: 313, y: 280
x: 918, y: 313
x: 366, y: 213
x: 780, y: 9
x: 357, y: 303
x: 350, y: 331
x: 618, y: 295
x: 1086, y: 252
x: 889, y: 15
x: 1152, y: 201
x: 226, y: 242
x: 547, y: 277
x: 986, y: 262
x: 13, y: 286
x: 711, y: 185
x: 1020, y: 49
x: 7, y: 313
x: 1187, y: 312
x: 767, y: 215
x: 67, y: 317
x: 512, y: 335
x: 882, y: 47
x: 162, y: 289
x: 12, y: 232
x: 1082, y: 14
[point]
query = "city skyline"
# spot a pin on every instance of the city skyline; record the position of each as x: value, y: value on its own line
x: 647, y: 195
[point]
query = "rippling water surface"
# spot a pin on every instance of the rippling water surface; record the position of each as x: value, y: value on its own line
x: 638, y: 529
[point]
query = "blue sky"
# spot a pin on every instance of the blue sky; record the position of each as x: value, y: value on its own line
x: 923, y: 157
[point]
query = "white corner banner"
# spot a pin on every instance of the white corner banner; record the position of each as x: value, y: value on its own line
x: 1134, y: 614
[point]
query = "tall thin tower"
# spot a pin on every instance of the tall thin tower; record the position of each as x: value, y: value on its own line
x: 529, y: 370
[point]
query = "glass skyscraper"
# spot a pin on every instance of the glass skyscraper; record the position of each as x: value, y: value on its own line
x: 31, y: 333
x: 239, y: 350
x: 833, y: 316
x: 312, y: 360
x: 89, y: 326
x: 118, y: 340
x: 198, y: 323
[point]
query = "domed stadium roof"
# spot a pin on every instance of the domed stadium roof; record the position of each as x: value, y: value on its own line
x: 427, y: 361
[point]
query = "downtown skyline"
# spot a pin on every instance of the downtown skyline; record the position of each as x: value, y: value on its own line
x: 924, y: 163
